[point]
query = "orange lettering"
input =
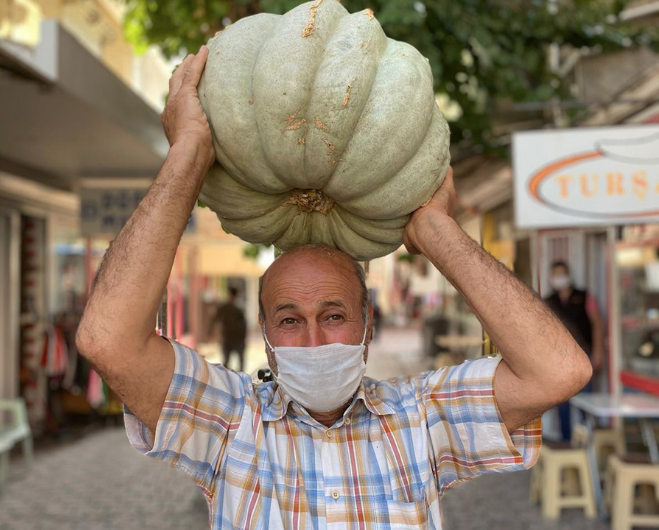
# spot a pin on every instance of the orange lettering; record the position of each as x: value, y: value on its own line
x: 564, y: 181
x: 594, y: 185
x: 640, y: 184
x: 614, y: 184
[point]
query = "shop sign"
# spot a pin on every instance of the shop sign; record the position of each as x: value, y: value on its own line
x: 585, y: 177
x: 104, y: 211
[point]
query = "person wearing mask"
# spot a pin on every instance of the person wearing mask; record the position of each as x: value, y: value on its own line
x: 231, y: 320
x: 579, y: 313
x: 321, y: 446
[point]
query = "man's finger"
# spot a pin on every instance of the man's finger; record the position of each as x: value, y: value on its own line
x: 176, y: 80
x: 193, y: 73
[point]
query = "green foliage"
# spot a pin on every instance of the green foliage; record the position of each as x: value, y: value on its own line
x: 252, y: 251
x: 482, y: 52
x: 405, y: 257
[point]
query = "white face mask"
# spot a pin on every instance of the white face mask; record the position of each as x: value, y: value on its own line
x: 320, y: 378
x: 560, y: 282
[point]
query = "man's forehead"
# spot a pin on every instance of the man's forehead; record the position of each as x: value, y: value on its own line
x: 311, y: 273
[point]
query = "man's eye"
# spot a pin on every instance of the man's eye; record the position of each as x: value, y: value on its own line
x: 336, y: 318
x: 288, y: 321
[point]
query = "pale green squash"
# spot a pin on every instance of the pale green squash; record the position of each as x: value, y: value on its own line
x: 325, y: 130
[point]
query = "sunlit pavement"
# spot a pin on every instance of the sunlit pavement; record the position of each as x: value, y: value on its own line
x: 100, y: 483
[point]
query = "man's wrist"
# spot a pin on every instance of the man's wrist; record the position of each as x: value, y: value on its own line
x: 191, y: 149
x: 434, y: 228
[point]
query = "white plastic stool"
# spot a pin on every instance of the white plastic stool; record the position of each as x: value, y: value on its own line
x: 606, y: 442
x: 623, y: 476
x: 556, y: 494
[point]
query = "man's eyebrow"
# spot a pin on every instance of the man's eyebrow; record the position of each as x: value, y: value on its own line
x: 333, y: 303
x: 282, y: 307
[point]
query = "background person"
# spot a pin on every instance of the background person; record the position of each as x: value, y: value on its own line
x: 579, y: 313
x: 233, y: 328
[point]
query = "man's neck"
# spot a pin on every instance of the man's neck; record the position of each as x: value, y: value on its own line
x: 329, y: 418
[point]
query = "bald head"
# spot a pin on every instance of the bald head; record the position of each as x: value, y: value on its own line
x: 307, y: 264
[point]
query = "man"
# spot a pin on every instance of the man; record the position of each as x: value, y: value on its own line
x: 321, y: 447
x: 579, y: 313
x: 234, y: 328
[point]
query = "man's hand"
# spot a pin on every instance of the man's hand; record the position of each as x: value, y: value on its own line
x: 442, y: 203
x: 183, y: 118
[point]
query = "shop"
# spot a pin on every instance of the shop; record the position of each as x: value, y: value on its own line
x: 66, y: 117
x: 44, y: 284
x: 591, y: 197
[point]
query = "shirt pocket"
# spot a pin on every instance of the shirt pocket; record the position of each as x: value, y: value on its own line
x: 404, y: 515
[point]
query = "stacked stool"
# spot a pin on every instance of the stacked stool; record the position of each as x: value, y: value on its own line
x: 606, y: 442
x: 561, y: 479
x: 624, y: 475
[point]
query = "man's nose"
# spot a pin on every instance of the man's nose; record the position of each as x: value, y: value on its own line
x: 314, y: 335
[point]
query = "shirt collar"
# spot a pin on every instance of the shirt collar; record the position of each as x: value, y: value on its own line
x: 278, y: 407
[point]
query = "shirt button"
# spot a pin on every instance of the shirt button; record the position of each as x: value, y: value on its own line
x: 335, y: 495
x: 347, y: 421
x: 329, y: 433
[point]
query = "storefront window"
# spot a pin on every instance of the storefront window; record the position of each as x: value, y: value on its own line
x: 638, y: 268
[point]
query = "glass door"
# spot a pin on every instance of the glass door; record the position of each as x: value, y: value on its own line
x: 638, y: 273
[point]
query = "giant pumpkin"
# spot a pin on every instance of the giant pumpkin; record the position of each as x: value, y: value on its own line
x: 325, y: 130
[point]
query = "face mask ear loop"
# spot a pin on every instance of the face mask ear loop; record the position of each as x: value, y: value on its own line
x: 365, y: 330
x: 266, y: 339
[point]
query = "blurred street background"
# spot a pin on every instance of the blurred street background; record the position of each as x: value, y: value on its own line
x: 82, y: 84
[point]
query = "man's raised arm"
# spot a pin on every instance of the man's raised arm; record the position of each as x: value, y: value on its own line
x: 542, y: 364
x: 117, y: 329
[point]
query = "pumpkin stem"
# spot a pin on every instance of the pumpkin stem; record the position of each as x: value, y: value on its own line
x: 311, y: 201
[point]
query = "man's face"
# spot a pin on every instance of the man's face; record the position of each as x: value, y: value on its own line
x: 560, y: 278
x: 560, y: 272
x: 310, y: 298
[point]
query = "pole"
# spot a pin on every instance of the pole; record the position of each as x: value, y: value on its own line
x: 161, y: 319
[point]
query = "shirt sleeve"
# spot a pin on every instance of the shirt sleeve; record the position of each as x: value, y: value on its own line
x: 203, y: 407
x: 467, y: 434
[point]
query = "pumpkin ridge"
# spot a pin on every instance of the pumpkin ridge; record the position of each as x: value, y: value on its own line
x: 365, y: 189
x: 251, y: 94
x: 339, y: 159
x: 315, y: 77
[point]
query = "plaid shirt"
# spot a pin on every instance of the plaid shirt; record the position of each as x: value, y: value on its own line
x: 264, y: 462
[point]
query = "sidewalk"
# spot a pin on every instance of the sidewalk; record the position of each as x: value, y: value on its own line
x: 99, y: 483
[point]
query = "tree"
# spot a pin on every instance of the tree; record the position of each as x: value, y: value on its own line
x: 483, y: 53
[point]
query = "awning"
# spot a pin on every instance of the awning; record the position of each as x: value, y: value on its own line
x: 64, y: 115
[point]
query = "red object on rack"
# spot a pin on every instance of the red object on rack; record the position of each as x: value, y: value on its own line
x: 640, y: 382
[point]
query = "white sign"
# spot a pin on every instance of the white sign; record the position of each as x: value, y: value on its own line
x: 105, y: 211
x: 582, y: 177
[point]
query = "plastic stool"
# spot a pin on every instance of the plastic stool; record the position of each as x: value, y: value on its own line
x: 606, y: 442
x: 555, y: 460
x: 623, y: 476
